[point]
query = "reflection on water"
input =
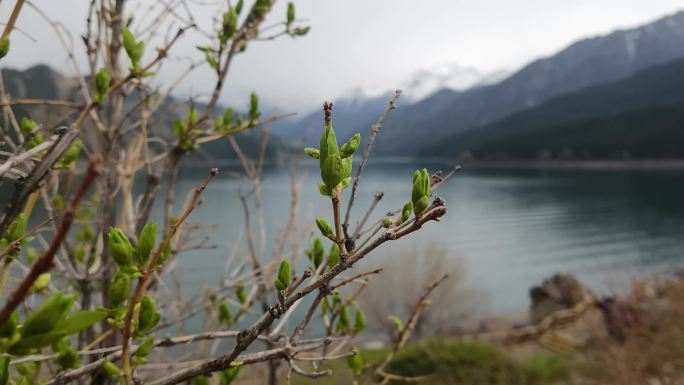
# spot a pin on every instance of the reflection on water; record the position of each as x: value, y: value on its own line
x: 510, y: 228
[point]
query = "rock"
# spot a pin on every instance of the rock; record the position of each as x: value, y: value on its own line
x: 562, y: 291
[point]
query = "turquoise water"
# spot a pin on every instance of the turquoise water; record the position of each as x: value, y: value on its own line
x: 509, y: 229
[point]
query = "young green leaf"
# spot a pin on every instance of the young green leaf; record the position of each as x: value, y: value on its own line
x: 229, y: 375
x: 146, y: 241
x: 325, y: 228
x: 241, y: 293
x: 334, y: 258
x: 350, y: 147
x: 312, y: 152
x: 225, y: 317
x: 46, y: 317
x: 282, y: 281
x: 149, y: 316
x: 111, y: 369
x: 81, y: 320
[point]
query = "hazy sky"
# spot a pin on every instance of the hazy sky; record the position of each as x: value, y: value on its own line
x: 371, y: 44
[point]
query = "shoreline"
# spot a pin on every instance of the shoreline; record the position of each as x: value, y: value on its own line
x: 513, y: 164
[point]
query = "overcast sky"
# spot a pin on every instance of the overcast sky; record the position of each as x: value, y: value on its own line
x: 369, y: 44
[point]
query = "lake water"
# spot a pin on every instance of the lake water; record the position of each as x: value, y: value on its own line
x: 509, y: 229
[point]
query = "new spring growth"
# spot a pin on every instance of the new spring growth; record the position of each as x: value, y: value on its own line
x: 101, y: 85
x: 146, y: 241
x: 111, y: 369
x: 149, y: 316
x: 229, y: 26
x: 4, y: 47
x: 224, y: 315
x: 421, y: 191
x: 335, y: 163
x: 134, y: 49
x: 316, y: 253
x: 406, y: 212
x: 355, y: 362
x: 325, y: 228
x: 119, y: 288
x: 120, y: 247
x: 290, y: 14
x: 282, y: 281
x: 334, y: 258
x: 254, y: 113
x: 241, y: 294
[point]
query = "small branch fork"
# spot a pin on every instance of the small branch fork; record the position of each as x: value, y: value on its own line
x: 46, y: 262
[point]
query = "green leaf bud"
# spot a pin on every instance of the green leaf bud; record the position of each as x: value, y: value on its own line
x: 421, y: 205
x: 254, y: 113
x: 282, y: 281
x: 359, y: 321
x: 387, y: 223
x: 225, y: 317
x: 301, y: 31
x: 355, y: 362
x: 350, y: 147
x: 145, y: 347
x: 312, y: 152
x: 290, y: 13
x: 146, y: 241
x: 120, y: 247
x: 149, y: 316
x: 4, y: 48
x: 406, y: 212
x: 241, y: 293
x: 318, y: 252
x: 325, y: 228
x: 333, y: 171
x: 111, y: 369
x: 343, y: 323
x: 101, y: 85
x: 334, y: 258
x: 119, y: 288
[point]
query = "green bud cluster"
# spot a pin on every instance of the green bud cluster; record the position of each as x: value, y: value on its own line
x: 120, y: 247
x: 335, y: 163
x: 284, y: 277
x: 421, y: 192
x: 241, y: 293
x: 225, y: 317
x: 134, y: 49
x: 254, y: 113
x: 144, y: 349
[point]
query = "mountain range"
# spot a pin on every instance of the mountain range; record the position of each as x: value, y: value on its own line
x: 586, y: 80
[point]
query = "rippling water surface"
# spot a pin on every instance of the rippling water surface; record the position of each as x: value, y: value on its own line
x: 509, y: 228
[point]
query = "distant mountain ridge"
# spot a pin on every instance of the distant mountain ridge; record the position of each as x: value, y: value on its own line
x: 588, y: 62
x: 625, y: 118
